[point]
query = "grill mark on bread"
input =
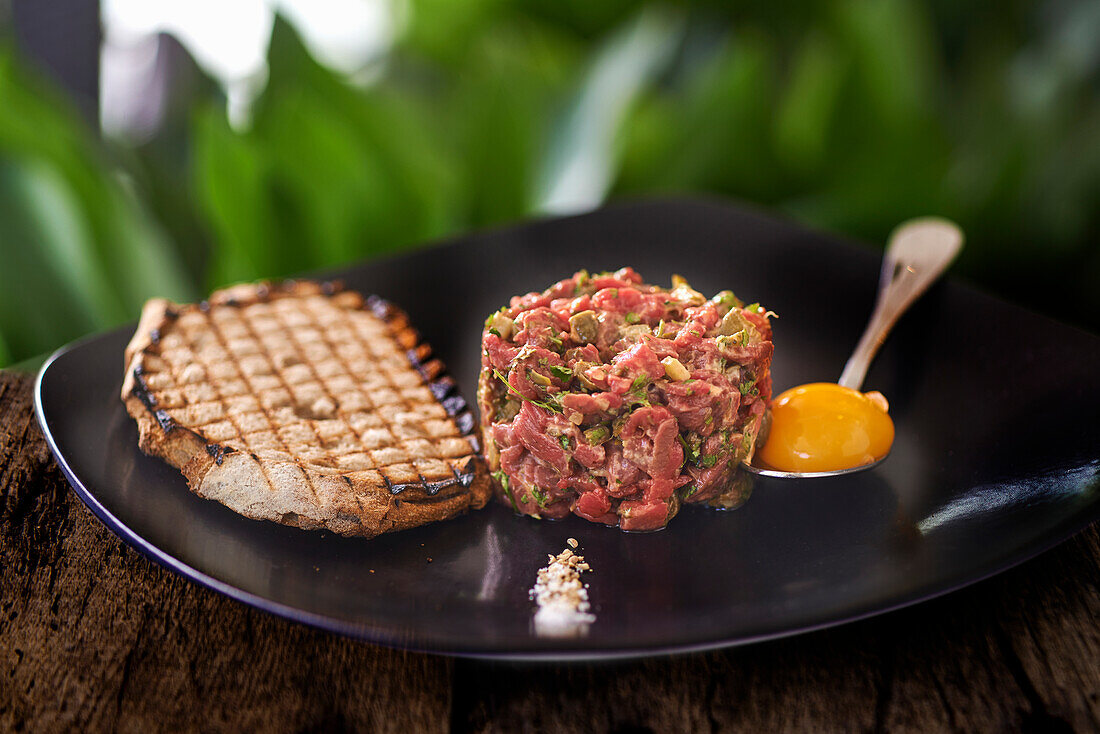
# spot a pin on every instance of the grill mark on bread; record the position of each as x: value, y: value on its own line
x: 423, y: 483
x: 389, y: 313
x: 264, y: 409
x: 218, y: 452
x: 441, y: 387
x: 343, y: 365
x: 455, y: 405
x: 213, y: 326
x: 431, y: 488
x: 142, y: 393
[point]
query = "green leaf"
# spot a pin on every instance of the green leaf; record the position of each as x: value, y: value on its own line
x: 582, y: 159
x: 714, y: 132
x: 807, y: 110
x: 498, y: 110
x: 893, y: 53
x: 231, y: 190
x: 325, y: 174
x: 79, y: 251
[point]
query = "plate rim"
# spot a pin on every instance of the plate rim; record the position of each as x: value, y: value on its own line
x: 385, y: 637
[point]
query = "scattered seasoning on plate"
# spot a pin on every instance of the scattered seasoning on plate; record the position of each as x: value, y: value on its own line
x: 562, y: 597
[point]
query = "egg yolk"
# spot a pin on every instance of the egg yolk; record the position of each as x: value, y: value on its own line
x: 825, y: 427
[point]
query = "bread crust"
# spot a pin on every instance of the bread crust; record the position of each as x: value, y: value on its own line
x: 324, y: 491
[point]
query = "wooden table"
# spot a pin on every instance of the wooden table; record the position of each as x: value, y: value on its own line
x: 93, y: 636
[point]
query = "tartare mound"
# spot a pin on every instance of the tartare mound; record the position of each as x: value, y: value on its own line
x: 616, y: 400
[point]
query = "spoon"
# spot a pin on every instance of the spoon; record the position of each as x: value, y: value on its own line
x: 919, y: 252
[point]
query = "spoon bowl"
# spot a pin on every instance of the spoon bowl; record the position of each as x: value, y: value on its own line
x: 767, y: 471
x: 918, y: 253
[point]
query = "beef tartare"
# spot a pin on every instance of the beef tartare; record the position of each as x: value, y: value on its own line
x: 617, y: 400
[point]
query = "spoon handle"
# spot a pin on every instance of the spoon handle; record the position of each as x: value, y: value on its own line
x: 918, y: 253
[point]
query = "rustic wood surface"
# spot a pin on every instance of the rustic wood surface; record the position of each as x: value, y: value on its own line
x: 95, y: 637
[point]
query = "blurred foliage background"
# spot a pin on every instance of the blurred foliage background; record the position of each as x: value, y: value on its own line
x: 846, y: 115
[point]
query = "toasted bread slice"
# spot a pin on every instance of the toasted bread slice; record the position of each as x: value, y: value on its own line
x: 304, y: 404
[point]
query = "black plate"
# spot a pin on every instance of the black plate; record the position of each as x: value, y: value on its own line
x: 996, y: 458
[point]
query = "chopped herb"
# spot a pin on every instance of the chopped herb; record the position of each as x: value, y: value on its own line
x: 748, y: 387
x: 502, y: 479
x: 746, y: 443
x: 690, y: 451
x: 542, y: 498
x: 689, y: 491
x: 740, y: 339
x: 632, y: 318
x: 554, y: 340
x: 548, y: 406
x: 727, y: 299
x: 582, y: 278
x: 708, y: 461
x: 638, y: 389
x: 564, y: 441
x: 543, y: 361
x: 562, y: 373
x: 525, y: 498
x: 498, y: 323
x: 709, y: 420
